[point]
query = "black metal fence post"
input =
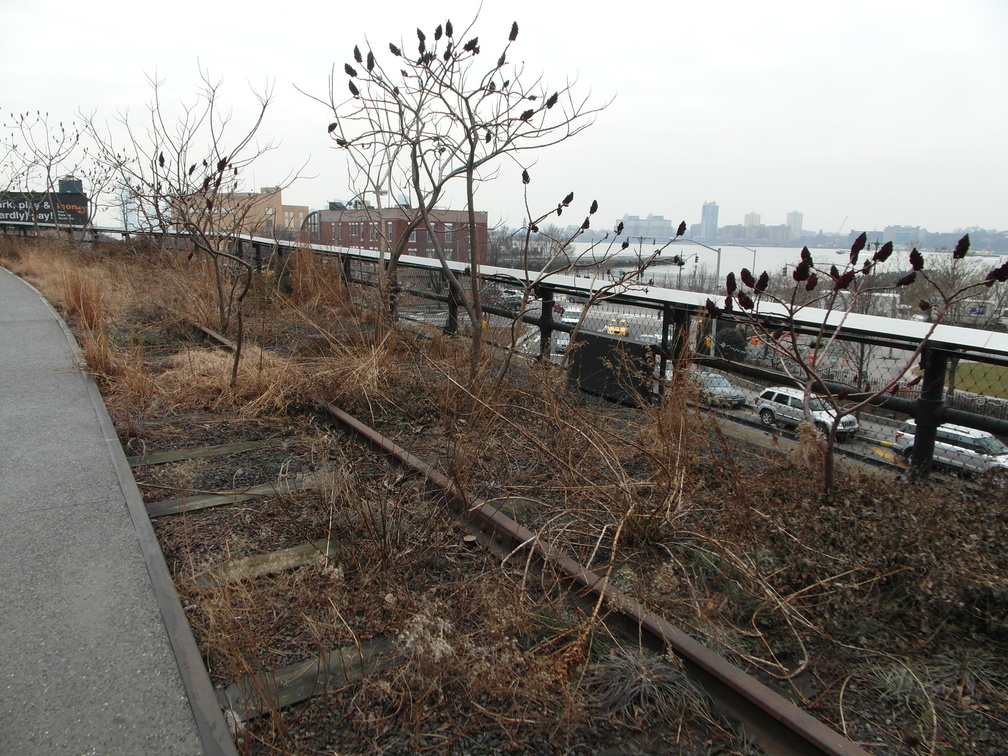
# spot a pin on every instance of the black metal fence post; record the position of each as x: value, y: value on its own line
x: 679, y: 348
x: 546, y: 324
x: 935, y: 364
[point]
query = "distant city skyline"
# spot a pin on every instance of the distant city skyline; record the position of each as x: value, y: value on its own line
x: 655, y: 226
x: 752, y: 231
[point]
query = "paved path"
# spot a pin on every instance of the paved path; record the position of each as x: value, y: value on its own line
x: 95, y: 654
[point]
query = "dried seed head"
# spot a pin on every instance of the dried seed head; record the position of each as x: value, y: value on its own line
x: 857, y: 246
x: 961, y: 248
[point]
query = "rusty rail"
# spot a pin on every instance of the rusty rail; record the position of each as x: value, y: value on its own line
x: 779, y: 727
x: 775, y: 723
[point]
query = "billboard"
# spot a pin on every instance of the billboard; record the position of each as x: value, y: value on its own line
x: 64, y: 208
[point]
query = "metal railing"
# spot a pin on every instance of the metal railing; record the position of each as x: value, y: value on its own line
x: 873, y: 344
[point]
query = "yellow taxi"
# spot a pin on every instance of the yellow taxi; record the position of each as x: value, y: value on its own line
x: 618, y: 327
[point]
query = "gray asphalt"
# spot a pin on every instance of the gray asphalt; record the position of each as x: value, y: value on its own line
x: 95, y: 653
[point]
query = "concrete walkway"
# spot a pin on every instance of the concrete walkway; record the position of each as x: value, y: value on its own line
x: 96, y: 656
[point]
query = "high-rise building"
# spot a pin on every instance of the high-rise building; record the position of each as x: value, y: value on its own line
x: 708, y: 221
x: 655, y: 227
x: 752, y: 219
x: 794, y: 224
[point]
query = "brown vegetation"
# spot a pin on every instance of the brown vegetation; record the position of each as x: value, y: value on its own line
x: 881, y: 607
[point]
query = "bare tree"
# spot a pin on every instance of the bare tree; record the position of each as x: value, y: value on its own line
x: 775, y: 318
x: 37, y: 149
x: 416, y: 123
x: 185, y: 174
x: 983, y: 306
x: 555, y: 253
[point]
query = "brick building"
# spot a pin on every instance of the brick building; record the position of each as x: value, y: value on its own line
x: 343, y: 225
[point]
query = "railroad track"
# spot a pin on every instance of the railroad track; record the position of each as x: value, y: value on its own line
x: 768, y: 719
x: 775, y: 723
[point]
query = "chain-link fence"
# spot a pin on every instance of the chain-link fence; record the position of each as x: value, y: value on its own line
x: 946, y: 402
x: 960, y: 412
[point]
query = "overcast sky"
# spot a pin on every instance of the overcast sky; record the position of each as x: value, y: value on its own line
x: 857, y: 114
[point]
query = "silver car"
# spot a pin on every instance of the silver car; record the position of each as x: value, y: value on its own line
x: 561, y: 339
x: 957, y: 446
x: 718, y: 391
x: 786, y: 405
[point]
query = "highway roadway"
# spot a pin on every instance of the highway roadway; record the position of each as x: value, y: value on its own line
x: 873, y: 442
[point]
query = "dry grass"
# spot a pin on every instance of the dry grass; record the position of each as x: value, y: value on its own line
x: 82, y: 297
x: 633, y: 684
x: 171, y: 292
x: 316, y: 283
x: 162, y: 295
x: 808, y: 453
x: 201, y: 378
x: 357, y: 378
x: 42, y: 263
x: 11, y: 250
x: 735, y: 545
x: 98, y: 356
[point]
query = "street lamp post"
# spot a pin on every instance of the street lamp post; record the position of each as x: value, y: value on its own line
x: 680, y: 262
x: 716, y: 250
x: 743, y: 246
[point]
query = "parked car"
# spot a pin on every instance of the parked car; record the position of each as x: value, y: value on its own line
x: 957, y: 446
x: 718, y: 391
x: 512, y: 300
x: 654, y: 341
x: 561, y: 340
x: 571, y: 314
x: 618, y: 327
x: 785, y: 405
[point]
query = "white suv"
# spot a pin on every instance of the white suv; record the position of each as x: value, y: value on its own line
x: 571, y: 316
x: 967, y: 449
x: 785, y: 405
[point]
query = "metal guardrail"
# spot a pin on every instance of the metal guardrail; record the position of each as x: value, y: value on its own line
x: 676, y: 312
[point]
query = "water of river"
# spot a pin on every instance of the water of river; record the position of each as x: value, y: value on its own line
x: 703, y: 262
